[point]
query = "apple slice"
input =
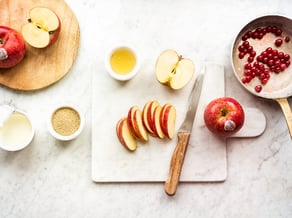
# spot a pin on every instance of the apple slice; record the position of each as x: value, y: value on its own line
x: 136, y: 123
x: 173, y: 70
x: 145, y: 118
x: 150, y: 115
x: 42, y: 29
x: 167, y: 120
x: 131, y: 123
x: 125, y: 135
x: 156, y: 126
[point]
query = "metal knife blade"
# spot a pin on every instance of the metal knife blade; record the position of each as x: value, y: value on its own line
x: 183, y: 135
x: 194, y: 98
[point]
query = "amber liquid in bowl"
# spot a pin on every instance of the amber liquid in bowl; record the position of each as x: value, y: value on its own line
x: 122, y: 61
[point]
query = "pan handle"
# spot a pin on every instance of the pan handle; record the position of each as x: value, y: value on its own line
x: 283, y: 102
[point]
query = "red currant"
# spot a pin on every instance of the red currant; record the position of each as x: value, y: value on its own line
x: 258, y: 88
x: 241, y: 55
x: 283, y: 67
x: 278, y: 32
x: 278, y: 42
x: 264, y: 81
x: 268, y: 61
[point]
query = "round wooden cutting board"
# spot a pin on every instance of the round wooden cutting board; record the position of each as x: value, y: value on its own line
x: 40, y: 67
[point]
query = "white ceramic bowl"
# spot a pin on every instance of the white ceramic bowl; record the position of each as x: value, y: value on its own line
x: 63, y: 123
x: 117, y: 76
x: 17, y: 132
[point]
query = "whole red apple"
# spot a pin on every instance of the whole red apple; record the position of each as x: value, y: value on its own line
x: 224, y: 116
x: 12, y: 47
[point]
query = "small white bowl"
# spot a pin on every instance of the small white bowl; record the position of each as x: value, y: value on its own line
x: 115, y: 75
x: 17, y: 132
x: 61, y: 123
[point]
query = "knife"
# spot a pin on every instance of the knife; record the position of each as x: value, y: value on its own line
x: 183, y: 136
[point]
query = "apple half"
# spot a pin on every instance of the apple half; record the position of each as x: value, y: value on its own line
x: 125, y: 135
x: 173, y: 70
x: 42, y: 29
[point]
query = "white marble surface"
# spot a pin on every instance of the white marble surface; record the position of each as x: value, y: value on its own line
x: 53, y: 179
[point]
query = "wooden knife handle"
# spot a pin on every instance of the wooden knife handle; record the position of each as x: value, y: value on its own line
x: 176, y: 163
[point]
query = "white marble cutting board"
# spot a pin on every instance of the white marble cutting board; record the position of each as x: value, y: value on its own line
x: 205, y: 160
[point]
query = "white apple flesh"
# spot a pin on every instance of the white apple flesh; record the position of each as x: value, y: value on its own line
x: 224, y: 116
x: 173, y: 70
x: 12, y: 47
x: 42, y: 29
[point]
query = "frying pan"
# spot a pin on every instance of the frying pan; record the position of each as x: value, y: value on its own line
x: 279, y: 86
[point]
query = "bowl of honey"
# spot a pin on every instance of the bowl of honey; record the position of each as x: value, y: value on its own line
x: 122, y: 62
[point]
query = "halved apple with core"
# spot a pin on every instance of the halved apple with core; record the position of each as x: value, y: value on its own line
x: 173, y: 70
x: 42, y: 29
x: 125, y: 135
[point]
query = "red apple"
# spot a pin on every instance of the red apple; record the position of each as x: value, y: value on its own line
x: 12, y: 47
x: 224, y: 116
x: 42, y: 29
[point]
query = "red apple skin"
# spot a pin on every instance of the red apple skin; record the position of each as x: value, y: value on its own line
x: 221, y: 112
x: 12, y: 47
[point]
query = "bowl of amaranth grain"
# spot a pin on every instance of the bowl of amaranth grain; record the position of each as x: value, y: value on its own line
x: 66, y: 122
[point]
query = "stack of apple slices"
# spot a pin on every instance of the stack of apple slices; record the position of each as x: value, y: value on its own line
x: 154, y: 119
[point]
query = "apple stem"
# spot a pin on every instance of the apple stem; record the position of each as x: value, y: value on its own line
x: 229, y: 125
x: 3, y: 54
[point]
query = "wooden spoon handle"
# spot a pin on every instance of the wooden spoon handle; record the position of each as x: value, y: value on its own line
x: 176, y: 163
x: 283, y: 102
